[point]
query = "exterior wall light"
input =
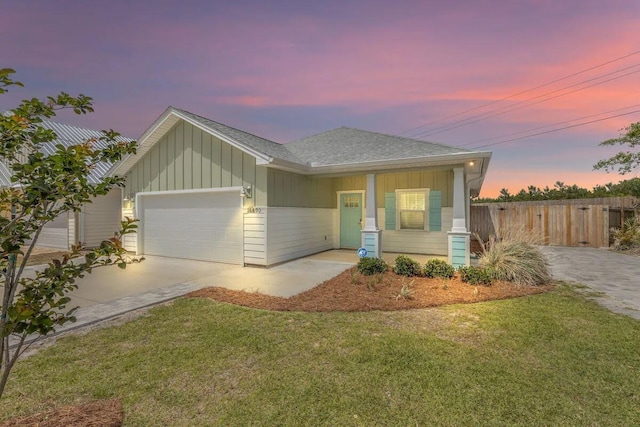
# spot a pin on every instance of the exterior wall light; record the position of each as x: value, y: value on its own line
x: 246, y: 192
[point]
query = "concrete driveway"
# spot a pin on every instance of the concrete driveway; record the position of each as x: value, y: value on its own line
x: 616, y: 275
x: 110, y: 291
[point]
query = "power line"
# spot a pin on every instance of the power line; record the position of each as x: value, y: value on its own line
x: 527, y: 103
x: 522, y: 92
x: 559, y: 129
x: 547, y: 126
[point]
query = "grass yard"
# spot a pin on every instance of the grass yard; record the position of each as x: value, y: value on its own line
x: 549, y: 359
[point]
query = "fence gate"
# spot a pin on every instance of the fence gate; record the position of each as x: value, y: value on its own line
x: 557, y: 225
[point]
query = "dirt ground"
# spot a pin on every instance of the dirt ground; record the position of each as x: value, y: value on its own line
x: 349, y: 291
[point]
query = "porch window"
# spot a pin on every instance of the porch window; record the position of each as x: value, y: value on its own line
x: 412, y: 209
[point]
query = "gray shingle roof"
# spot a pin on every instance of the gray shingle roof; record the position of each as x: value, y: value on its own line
x: 347, y: 145
x: 259, y: 144
x: 68, y: 135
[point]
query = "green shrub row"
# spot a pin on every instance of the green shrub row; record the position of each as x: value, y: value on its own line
x: 476, y: 275
x: 406, y: 266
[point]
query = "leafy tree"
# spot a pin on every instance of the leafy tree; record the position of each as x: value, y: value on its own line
x: 561, y: 191
x: 624, y: 161
x: 43, y: 188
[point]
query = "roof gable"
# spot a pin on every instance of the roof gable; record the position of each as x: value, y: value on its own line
x: 265, y: 151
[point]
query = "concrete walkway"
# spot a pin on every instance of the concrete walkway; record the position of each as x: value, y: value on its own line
x: 616, y: 275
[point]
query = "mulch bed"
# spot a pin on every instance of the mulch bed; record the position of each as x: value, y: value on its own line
x: 100, y: 413
x: 351, y: 291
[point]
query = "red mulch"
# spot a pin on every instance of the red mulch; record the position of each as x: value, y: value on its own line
x: 351, y: 291
x: 100, y: 413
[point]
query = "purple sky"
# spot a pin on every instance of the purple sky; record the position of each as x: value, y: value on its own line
x: 288, y: 69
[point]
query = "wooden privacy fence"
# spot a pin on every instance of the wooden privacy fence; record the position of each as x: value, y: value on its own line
x: 584, y: 222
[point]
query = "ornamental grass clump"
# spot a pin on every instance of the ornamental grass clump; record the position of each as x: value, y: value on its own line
x: 514, y: 258
x: 628, y: 236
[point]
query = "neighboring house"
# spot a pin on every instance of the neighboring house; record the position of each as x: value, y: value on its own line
x: 96, y: 221
x: 204, y: 190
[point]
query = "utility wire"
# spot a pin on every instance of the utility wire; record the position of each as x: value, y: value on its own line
x: 559, y: 129
x: 527, y: 103
x: 522, y: 92
x: 546, y: 126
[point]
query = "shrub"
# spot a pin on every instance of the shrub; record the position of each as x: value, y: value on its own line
x: 514, y: 258
x: 475, y: 276
x: 405, y: 266
x: 627, y: 237
x: 371, y: 266
x: 438, y: 268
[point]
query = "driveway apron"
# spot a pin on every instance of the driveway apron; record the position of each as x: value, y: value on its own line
x: 616, y: 275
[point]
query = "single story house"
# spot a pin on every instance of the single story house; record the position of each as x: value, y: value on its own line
x: 207, y: 191
x: 96, y: 221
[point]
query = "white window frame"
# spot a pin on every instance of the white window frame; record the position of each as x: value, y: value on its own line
x: 426, y: 208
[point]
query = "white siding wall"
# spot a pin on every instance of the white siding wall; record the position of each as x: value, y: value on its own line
x: 255, y: 237
x: 419, y: 242
x: 55, y: 234
x: 296, y: 232
x: 130, y: 241
x: 101, y: 218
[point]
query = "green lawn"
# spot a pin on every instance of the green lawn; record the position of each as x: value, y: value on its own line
x: 551, y: 359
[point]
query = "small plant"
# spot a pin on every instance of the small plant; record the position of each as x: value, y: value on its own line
x: 371, y: 266
x: 445, y: 285
x: 406, y: 291
x: 405, y: 266
x: 438, y: 268
x: 371, y: 283
x: 475, y: 275
x: 355, y: 277
x: 628, y: 236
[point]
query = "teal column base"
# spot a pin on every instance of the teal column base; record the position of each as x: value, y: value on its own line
x: 459, y: 248
x: 372, y: 242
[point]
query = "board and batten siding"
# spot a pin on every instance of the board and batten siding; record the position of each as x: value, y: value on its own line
x: 288, y: 189
x: 187, y: 157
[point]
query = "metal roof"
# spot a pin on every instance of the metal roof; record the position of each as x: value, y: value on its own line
x: 68, y: 135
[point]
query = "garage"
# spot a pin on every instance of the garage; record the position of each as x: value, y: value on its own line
x: 203, y: 225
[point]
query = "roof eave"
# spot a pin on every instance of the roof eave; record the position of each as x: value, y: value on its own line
x: 402, y: 163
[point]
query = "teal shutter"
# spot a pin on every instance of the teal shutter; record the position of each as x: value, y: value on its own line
x: 435, y: 211
x: 389, y: 211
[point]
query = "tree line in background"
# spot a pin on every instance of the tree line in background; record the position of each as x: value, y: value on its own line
x: 625, y: 161
x: 561, y: 191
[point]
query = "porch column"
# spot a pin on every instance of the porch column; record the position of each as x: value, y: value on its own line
x: 371, y: 234
x: 459, y: 237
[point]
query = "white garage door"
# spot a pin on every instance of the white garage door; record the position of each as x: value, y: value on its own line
x: 204, y: 226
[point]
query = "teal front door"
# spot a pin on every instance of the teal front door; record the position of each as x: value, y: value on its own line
x: 350, y: 220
